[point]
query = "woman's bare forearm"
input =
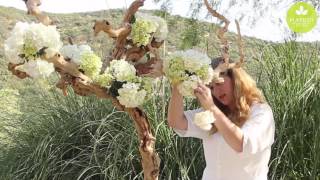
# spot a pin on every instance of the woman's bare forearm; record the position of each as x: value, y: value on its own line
x: 176, y: 118
x: 232, y: 134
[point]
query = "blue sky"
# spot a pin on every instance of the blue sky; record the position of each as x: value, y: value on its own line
x: 270, y: 26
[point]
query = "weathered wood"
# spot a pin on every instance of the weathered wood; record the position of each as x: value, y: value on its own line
x: 33, y: 9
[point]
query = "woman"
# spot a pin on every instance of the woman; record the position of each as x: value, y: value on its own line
x: 240, y: 147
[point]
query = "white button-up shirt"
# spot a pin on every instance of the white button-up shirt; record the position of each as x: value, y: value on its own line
x: 224, y: 163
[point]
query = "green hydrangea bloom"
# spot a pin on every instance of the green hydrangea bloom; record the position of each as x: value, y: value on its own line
x: 91, y: 64
x: 175, y: 72
x: 147, y: 84
x: 203, y: 72
x: 104, y: 80
x: 29, y: 49
x: 141, y: 32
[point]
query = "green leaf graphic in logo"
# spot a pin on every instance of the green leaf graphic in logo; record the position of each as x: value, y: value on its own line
x: 301, y: 17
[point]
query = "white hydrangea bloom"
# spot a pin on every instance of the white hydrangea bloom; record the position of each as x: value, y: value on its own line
x: 74, y: 52
x: 44, y: 36
x: 194, y: 60
x: 70, y: 51
x: 85, y: 48
x: 14, y: 44
x: 134, y: 90
x: 28, y: 39
x: 37, y: 68
x: 121, y: 70
x: 186, y: 88
x: 130, y: 96
x: 209, y: 75
x: 187, y: 69
x: 162, y: 28
x: 204, y: 120
x: 161, y: 31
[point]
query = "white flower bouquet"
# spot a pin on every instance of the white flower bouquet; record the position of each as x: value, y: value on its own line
x: 121, y: 80
x: 146, y: 26
x: 24, y: 44
x: 188, y: 68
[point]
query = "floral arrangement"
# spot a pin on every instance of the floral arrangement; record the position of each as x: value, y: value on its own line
x: 186, y: 69
x: 27, y: 40
x: 24, y: 44
x: 146, y: 26
x: 123, y: 83
x: 89, y: 63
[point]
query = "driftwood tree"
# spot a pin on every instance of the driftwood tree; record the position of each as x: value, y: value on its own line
x: 124, y: 48
x: 83, y: 86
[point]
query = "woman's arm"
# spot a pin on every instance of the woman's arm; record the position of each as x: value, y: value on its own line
x: 176, y: 117
x: 232, y: 134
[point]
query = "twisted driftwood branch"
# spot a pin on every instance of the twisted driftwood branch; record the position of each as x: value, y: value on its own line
x: 225, y: 45
x: 33, y: 9
x: 240, y: 46
x: 124, y: 47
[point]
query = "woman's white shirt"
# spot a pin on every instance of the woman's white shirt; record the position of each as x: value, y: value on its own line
x: 224, y: 163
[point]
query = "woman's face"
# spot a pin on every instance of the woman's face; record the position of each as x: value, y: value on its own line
x: 223, y: 91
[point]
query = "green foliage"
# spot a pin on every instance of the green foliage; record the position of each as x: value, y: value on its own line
x: 9, y: 101
x: 290, y: 79
x: 85, y: 138
x: 68, y: 138
x: 191, y: 36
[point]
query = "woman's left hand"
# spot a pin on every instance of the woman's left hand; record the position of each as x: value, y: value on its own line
x: 204, y: 96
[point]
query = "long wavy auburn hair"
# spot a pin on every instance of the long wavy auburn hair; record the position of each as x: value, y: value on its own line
x: 245, y: 93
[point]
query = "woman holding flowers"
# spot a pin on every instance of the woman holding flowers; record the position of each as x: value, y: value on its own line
x: 234, y: 123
